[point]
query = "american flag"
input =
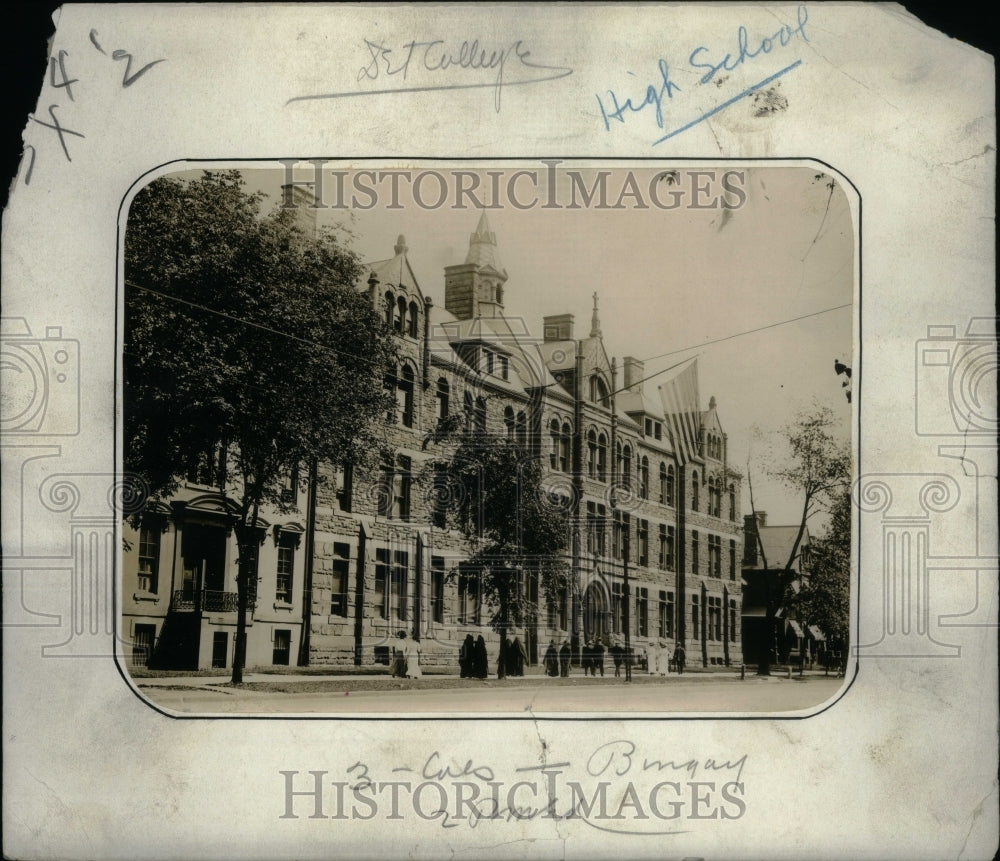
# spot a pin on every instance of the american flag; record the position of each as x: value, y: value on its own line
x: 681, y: 406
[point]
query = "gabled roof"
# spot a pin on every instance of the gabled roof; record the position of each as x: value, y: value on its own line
x: 394, y: 271
x: 777, y: 542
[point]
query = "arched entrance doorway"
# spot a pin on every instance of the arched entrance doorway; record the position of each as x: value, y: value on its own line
x: 596, y: 612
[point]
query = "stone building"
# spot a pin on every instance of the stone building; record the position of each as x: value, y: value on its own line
x: 643, y: 469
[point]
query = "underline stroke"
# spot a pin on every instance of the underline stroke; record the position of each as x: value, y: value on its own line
x: 728, y: 102
x: 486, y: 84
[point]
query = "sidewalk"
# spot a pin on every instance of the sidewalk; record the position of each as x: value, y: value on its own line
x: 533, y: 674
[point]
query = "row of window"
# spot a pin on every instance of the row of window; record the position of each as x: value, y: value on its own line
x: 713, y: 622
x: 203, y: 557
x: 400, y: 317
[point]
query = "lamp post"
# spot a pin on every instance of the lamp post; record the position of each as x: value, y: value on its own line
x: 626, y: 597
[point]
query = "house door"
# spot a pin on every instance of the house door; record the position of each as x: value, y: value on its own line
x: 204, y: 551
x: 595, y: 613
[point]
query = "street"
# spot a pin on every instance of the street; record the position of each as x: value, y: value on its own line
x: 690, y: 694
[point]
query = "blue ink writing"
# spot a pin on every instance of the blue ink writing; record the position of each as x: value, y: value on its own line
x: 654, y: 96
x: 781, y: 38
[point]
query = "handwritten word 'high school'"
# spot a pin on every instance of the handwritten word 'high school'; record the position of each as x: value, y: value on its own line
x: 664, y: 88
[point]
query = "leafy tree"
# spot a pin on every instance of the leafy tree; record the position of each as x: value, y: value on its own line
x: 513, y: 526
x: 825, y: 600
x: 243, y: 335
x: 815, y: 464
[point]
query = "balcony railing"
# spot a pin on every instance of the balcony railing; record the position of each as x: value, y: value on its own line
x: 207, y: 601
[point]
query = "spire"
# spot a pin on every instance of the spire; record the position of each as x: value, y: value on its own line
x: 400, y: 247
x: 595, y: 321
x: 483, y: 246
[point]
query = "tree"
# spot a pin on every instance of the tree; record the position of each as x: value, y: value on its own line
x: 514, y: 528
x: 244, y: 337
x: 825, y: 599
x: 815, y: 464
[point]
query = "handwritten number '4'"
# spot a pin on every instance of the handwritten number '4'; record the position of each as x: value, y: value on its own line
x: 127, y: 79
x: 65, y: 80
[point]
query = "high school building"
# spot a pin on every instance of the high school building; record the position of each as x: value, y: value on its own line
x: 366, y: 554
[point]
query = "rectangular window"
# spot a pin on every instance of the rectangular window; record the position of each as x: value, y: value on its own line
x: 695, y: 617
x: 149, y: 557
x: 468, y: 598
x: 642, y: 534
x: 345, y: 478
x: 591, y: 527
x: 220, y: 649
x: 283, y: 579
x: 437, y: 589
x: 401, y: 490
x: 662, y: 555
x: 694, y: 552
x: 617, y: 607
x: 339, y: 579
x: 714, y: 618
x: 732, y: 620
x: 400, y: 582
x: 663, y: 614
x: 671, y: 609
x: 732, y: 560
x: 290, y: 486
x: 658, y: 430
x: 602, y: 521
x: 642, y: 612
x: 381, y: 582
x: 384, y: 490
x: 504, y: 367
x: 142, y: 644
x: 282, y: 648
x: 564, y: 608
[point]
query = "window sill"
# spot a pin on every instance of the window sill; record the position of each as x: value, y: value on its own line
x: 146, y: 596
x: 283, y: 605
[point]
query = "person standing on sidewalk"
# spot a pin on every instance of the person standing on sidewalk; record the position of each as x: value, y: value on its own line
x: 397, y: 667
x: 564, y: 656
x: 411, y: 656
x: 551, y: 660
x: 679, y: 657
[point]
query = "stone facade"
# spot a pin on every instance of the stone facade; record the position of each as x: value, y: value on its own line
x: 381, y: 562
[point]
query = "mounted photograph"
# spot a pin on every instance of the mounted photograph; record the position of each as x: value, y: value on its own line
x: 489, y: 439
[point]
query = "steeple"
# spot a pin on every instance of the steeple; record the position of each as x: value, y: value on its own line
x: 483, y: 246
x: 400, y: 247
x: 595, y: 321
x: 475, y: 288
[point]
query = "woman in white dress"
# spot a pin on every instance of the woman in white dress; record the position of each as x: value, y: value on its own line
x: 411, y: 651
x: 663, y: 658
x: 651, y: 660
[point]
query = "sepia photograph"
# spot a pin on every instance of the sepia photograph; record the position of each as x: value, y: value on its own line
x: 464, y: 440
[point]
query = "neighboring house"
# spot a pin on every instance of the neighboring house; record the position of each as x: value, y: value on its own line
x: 381, y: 560
x: 765, y: 558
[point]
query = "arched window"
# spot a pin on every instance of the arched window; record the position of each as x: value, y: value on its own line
x: 400, y: 323
x: 592, y: 453
x: 442, y: 398
x: 554, y: 442
x: 644, y: 477
x: 695, y: 491
x: 522, y: 430
x: 663, y: 483
x: 627, y: 463
x: 390, y: 308
x: 564, y: 447
x: 508, y: 420
x: 414, y: 319
x: 598, y: 391
x: 670, y: 485
x: 618, y: 460
x: 732, y: 502
x: 602, y: 458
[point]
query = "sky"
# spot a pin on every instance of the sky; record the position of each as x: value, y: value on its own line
x: 672, y: 284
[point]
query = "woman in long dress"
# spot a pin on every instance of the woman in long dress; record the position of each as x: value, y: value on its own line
x: 551, y: 660
x: 481, y: 661
x: 651, y: 655
x: 466, y: 657
x: 411, y: 653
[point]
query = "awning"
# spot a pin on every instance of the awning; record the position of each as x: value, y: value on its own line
x: 816, y: 633
x: 796, y: 627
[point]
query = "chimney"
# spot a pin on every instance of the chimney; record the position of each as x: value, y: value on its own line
x: 634, y: 371
x: 762, y: 518
x: 558, y: 327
